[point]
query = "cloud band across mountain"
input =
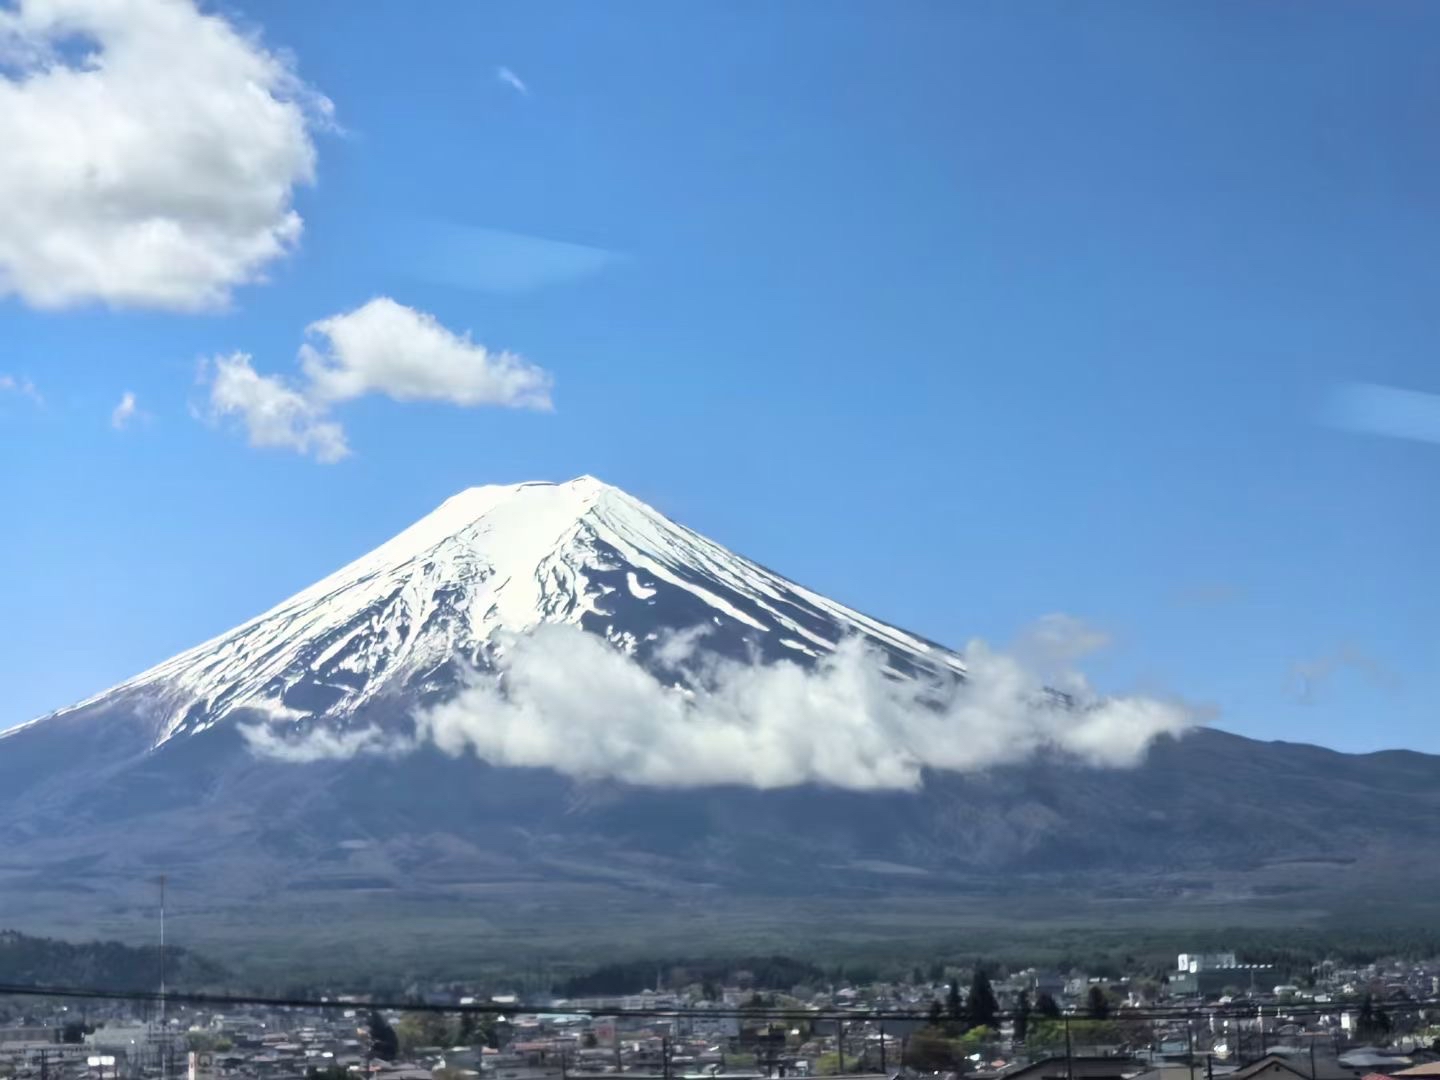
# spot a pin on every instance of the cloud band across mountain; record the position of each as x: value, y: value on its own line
x: 569, y: 701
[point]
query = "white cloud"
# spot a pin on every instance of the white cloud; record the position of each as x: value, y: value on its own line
x: 567, y: 700
x: 510, y: 79
x: 273, y: 413
x: 381, y: 347
x: 321, y: 744
x: 126, y: 412
x: 155, y: 170
x: 388, y: 348
x: 16, y: 384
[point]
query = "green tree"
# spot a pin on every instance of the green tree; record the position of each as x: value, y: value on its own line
x: 384, y: 1043
x: 206, y: 1042
x: 929, y: 1050
x: 936, y: 1014
x: 954, y: 1009
x: 1022, y: 1016
x: 974, y: 1040
x: 980, y: 1006
x: 1097, y: 1005
x: 1048, y: 1007
x: 1372, y: 1025
x: 478, y: 1029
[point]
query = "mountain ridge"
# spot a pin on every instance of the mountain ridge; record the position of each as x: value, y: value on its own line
x: 95, y: 798
x: 569, y: 552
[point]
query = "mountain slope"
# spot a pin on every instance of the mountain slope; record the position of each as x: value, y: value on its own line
x: 155, y: 773
x: 497, y: 558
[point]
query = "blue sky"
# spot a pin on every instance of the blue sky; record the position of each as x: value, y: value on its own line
x: 960, y: 313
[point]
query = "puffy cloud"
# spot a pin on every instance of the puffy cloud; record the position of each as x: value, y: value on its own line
x: 388, y: 348
x: 151, y: 153
x: 380, y: 348
x: 567, y: 700
x: 321, y: 744
x: 273, y: 413
x: 126, y: 412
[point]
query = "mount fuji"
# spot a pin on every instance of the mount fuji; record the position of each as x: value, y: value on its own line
x: 396, y: 624
x: 161, y: 773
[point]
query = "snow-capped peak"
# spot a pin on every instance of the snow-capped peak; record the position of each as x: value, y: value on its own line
x: 489, y: 559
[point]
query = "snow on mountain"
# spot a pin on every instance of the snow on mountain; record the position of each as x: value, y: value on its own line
x: 491, y: 559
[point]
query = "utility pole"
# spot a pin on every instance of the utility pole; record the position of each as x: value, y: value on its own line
x: 882, y: 1049
x: 840, y: 1044
x: 164, y: 1055
x: 1069, y: 1052
x: 1190, y: 1046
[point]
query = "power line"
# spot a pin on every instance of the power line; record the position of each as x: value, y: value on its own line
x: 1237, y: 1011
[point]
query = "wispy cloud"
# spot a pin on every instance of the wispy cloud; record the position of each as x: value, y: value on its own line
x: 495, y: 260
x: 127, y: 412
x: 1373, y: 409
x: 17, y: 384
x: 510, y: 79
x: 382, y: 347
x: 567, y: 700
x: 1308, y: 678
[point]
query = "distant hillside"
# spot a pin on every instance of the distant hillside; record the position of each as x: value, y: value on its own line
x: 38, y: 961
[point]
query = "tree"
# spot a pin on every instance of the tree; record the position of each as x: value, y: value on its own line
x: 1022, y: 1016
x: 384, y: 1043
x: 937, y: 1013
x: 478, y: 1029
x: 980, y: 1006
x: 1048, y: 1007
x: 1097, y: 1005
x: 417, y: 1029
x: 1372, y: 1025
x: 929, y: 1051
x: 953, y: 1007
x: 974, y: 1040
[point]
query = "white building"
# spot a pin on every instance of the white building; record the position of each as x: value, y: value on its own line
x: 1194, y: 963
